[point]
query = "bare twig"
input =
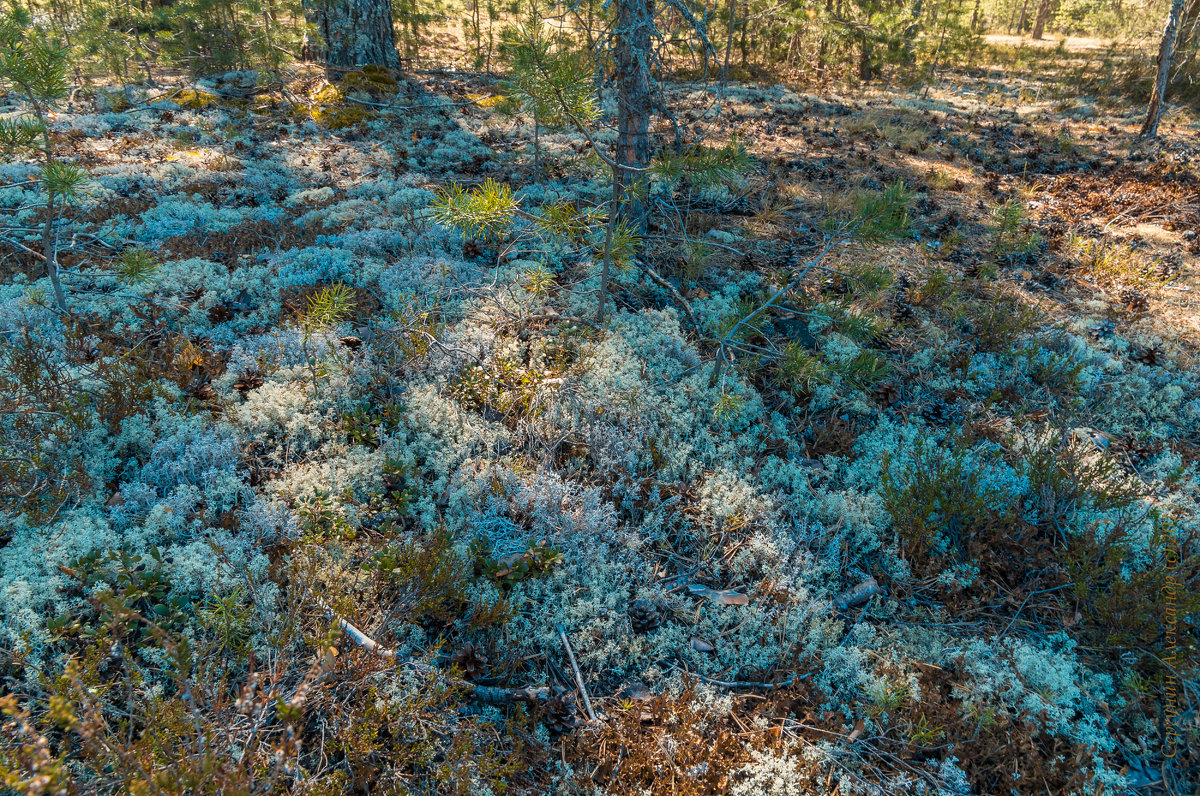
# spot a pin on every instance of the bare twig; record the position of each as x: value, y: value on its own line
x: 746, y: 683
x: 1025, y: 601
x: 587, y: 703
x: 675, y: 293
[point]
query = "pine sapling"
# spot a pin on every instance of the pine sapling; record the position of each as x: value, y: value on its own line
x: 35, y: 67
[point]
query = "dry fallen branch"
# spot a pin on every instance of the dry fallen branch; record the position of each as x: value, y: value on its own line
x: 677, y: 296
x: 857, y: 595
x: 745, y: 683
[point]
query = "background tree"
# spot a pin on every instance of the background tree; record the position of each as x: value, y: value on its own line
x: 1044, y: 14
x: 1165, y: 50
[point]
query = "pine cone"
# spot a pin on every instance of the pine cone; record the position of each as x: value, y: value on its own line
x: 901, y: 309
x: 938, y: 412
x: 202, y: 391
x: 219, y: 313
x: 1102, y: 329
x: 885, y: 340
x: 644, y: 616
x: 248, y: 381
x: 1171, y: 264
x: 1048, y: 279
x: 1135, y: 300
x: 835, y: 285
x: 1148, y: 356
x: 1142, y: 448
x: 887, y: 393
x: 471, y: 660
x: 559, y: 713
x: 193, y: 295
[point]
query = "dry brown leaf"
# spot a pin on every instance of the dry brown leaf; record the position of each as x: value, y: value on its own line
x: 720, y: 597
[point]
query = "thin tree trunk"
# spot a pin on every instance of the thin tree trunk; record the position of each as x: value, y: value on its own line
x: 1024, y: 18
x: 50, y: 228
x: 635, y: 99
x: 50, y: 252
x: 822, y: 54
x: 743, y: 45
x: 729, y: 41
x: 352, y: 33
x: 1165, y: 50
x: 1045, y: 11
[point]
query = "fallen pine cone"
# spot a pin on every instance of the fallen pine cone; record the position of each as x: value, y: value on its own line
x: 887, y: 393
x: 1141, y: 448
x: 857, y: 595
x: 644, y: 616
x: 559, y: 713
x: 1147, y: 356
x: 938, y: 412
x: 835, y: 285
x: 1135, y: 300
x: 471, y: 660
x: 247, y: 382
x: 203, y: 392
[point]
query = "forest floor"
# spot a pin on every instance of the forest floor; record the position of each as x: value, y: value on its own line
x: 917, y: 539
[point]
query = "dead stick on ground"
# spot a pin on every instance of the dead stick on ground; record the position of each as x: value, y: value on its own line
x: 857, y: 595
x: 686, y: 306
x: 587, y: 703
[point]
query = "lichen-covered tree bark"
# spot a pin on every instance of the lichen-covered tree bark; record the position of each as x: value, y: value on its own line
x: 635, y: 99
x: 1165, y: 50
x: 351, y: 33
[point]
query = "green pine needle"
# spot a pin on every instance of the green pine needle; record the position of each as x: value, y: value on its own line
x: 484, y: 212
x: 137, y: 266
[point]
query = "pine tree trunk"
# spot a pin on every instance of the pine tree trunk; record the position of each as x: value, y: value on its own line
x: 822, y: 62
x: 631, y: 56
x: 1045, y: 10
x: 1024, y: 17
x: 729, y: 41
x: 1165, y: 50
x: 351, y: 33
